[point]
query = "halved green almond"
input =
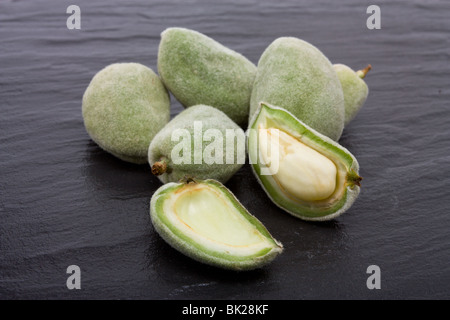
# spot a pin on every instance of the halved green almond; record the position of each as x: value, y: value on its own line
x: 204, y: 220
x: 302, y: 171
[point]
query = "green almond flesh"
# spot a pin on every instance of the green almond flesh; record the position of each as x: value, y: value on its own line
x: 203, y: 220
x: 328, y: 205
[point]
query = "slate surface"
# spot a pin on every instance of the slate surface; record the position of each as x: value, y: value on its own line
x: 63, y: 201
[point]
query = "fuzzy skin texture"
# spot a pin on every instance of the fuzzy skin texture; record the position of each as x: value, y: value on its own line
x: 355, y: 91
x: 199, y: 70
x: 286, y: 121
x: 124, y: 106
x: 211, y: 118
x: 175, y: 238
x: 296, y: 76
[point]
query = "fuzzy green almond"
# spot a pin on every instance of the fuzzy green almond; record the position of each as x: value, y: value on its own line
x: 194, y: 124
x: 203, y: 220
x: 123, y: 108
x: 327, y: 185
x: 354, y: 88
x: 199, y: 70
x: 295, y: 75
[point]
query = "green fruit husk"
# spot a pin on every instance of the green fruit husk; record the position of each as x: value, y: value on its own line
x: 203, y: 220
x: 295, y: 75
x: 160, y: 149
x: 199, y: 70
x: 354, y: 88
x: 348, y: 179
x: 124, y: 106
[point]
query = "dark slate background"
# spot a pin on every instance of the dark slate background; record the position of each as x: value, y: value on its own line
x: 64, y: 201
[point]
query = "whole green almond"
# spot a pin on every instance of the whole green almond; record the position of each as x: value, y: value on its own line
x: 200, y: 70
x: 305, y: 173
x: 204, y: 220
x: 123, y: 108
x: 354, y: 87
x: 296, y: 76
x: 201, y: 142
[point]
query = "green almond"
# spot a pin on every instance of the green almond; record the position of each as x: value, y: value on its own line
x: 124, y: 106
x: 199, y: 70
x: 295, y: 75
x: 203, y: 220
x: 305, y: 173
x: 196, y: 133
x: 354, y: 88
